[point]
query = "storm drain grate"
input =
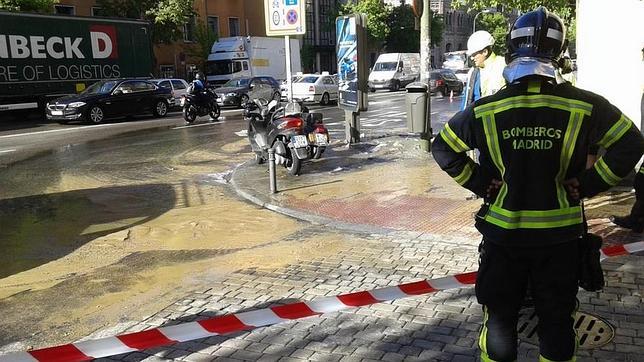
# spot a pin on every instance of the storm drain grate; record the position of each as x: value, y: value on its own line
x: 592, y: 331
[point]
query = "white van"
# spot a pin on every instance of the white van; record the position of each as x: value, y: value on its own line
x: 394, y: 71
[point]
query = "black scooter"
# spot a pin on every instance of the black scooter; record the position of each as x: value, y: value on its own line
x: 287, y: 128
x: 200, y: 103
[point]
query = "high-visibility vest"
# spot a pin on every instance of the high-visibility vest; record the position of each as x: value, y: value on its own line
x: 533, y: 135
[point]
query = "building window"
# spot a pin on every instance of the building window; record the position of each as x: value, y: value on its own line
x: 97, y: 11
x: 166, y: 71
x: 189, y: 30
x: 65, y: 9
x: 213, y: 25
x: 309, y: 36
x: 233, y: 27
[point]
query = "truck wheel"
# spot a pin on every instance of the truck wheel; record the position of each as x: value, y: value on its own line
x: 325, y: 99
x: 395, y: 86
x: 160, y: 109
x: 95, y: 115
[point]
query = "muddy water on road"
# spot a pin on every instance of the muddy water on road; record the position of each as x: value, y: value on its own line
x: 112, y: 231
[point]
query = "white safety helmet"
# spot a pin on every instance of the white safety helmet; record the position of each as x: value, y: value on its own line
x: 478, y: 41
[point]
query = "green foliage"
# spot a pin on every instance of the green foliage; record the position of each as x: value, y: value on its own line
x: 403, y: 36
x: 378, y: 14
x: 166, y: 16
x: 38, y: 6
x: 497, y: 25
x: 204, y: 38
x: 563, y: 8
x: 307, y: 56
x: 437, y: 28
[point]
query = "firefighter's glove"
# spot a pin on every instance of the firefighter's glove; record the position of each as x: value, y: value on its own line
x: 572, y: 187
x: 591, y: 275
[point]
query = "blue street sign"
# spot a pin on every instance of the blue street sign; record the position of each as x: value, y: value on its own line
x: 290, y: 2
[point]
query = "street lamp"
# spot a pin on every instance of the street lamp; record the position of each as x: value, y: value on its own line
x: 484, y: 11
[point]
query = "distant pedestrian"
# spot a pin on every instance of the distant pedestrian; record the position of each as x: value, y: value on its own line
x: 534, y: 136
x: 486, y: 76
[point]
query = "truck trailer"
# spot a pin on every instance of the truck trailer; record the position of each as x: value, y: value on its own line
x: 250, y: 56
x: 43, y: 57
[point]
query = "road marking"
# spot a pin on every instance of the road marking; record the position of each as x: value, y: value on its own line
x: 199, y: 125
x: 58, y: 130
x: 7, y: 151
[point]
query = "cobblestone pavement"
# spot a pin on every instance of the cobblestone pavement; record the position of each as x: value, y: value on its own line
x: 406, y: 222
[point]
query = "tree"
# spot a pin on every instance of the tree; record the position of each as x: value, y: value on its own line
x: 204, y: 38
x: 565, y: 9
x: 403, y: 36
x: 38, y: 6
x: 166, y: 16
x: 378, y: 14
x: 497, y: 25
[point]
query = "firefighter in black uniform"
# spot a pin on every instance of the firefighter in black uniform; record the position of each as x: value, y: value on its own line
x: 533, y: 137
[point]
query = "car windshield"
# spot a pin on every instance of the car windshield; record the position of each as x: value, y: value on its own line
x: 239, y: 82
x: 307, y: 80
x: 385, y: 66
x: 103, y: 87
x: 220, y: 67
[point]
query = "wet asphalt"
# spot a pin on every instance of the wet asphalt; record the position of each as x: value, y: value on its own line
x: 86, y: 212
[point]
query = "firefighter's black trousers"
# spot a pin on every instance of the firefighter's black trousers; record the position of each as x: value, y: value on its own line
x: 503, y: 276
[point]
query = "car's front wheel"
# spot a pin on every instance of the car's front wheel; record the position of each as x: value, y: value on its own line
x: 160, y: 108
x: 95, y: 115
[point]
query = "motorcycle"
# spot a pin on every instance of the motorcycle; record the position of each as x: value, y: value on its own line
x: 200, y: 104
x: 294, y: 133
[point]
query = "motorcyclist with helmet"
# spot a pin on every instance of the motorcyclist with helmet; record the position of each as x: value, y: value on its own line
x: 534, y: 136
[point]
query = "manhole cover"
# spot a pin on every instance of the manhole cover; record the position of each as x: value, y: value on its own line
x: 592, y: 331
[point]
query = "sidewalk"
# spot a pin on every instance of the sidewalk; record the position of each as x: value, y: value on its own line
x: 401, y: 219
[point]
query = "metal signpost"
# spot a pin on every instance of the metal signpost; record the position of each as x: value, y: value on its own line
x: 352, y: 71
x: 285, y: 18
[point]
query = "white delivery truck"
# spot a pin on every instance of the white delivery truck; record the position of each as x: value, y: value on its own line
x: 250, y: 56
x: 394, y: 70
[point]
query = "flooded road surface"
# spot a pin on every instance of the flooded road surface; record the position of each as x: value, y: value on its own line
x: 101, y: 233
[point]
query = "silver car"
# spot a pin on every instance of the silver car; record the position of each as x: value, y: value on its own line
x: 179, y: 87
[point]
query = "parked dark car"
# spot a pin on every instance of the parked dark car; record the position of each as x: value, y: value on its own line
x: 110, y: 99
x: 444, y: 81
x: 238, y: 91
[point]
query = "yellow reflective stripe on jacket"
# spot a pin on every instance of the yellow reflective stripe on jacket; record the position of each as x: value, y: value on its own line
x: 452, y: 140
x: 533, y: 219
x: 642, y: 169
x: 534, y: 101
x: 569, y: 141
x: 465, y: 175
x: 616, y: 132
x: 534, y: 86
x: 606, y: 173
x: 492, y: 139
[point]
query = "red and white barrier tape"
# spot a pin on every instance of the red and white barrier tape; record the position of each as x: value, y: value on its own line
x: 137, y: 341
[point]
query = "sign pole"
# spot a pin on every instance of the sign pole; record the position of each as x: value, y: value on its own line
x: 289, y: 78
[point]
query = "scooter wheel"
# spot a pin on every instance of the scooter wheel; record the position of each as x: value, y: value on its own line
x: 318, y: 152
x: 259, y: 159
x: 189, y: 114
x: 293, y: 164
x: 215, y: 113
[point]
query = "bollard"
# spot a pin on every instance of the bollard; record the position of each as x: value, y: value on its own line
x: 451, y: 95
x: 272, y: 179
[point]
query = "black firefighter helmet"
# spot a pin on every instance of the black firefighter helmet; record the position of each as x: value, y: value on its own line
x: 536, y: 34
